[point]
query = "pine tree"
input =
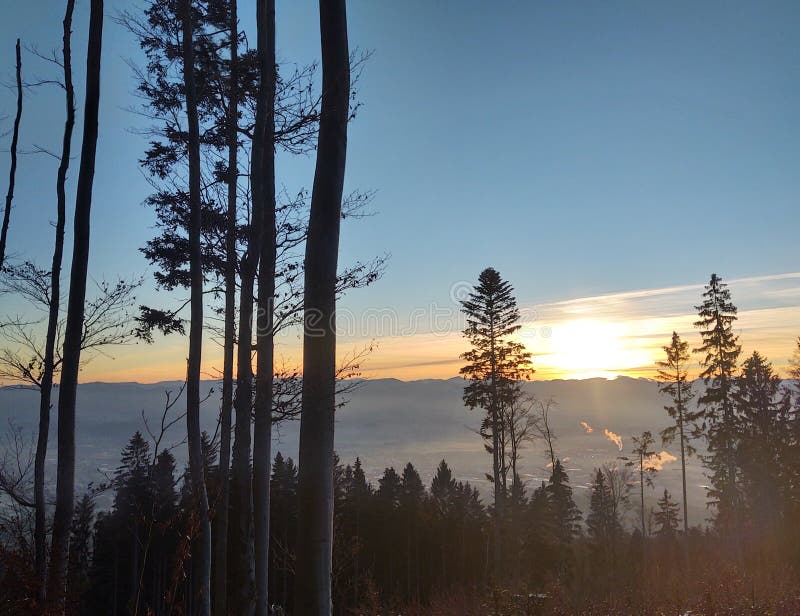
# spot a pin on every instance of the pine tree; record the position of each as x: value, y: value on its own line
x: 666, y: 516
x: 719, y: 355
x: 495, y: 364
x: 674, y: 382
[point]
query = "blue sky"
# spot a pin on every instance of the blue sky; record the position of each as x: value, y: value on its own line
x: 579, y: 148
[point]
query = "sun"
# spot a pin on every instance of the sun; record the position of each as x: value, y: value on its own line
x: 587, y: 348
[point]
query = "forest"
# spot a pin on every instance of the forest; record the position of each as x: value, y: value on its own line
x: 239, y: 260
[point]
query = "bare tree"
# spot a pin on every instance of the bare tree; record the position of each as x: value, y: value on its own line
x: 15, y: 467
x: 543, y: 408
x: 25, y: 359
x: 13, y: 171
x: 48, y: 364
x: 315, y: 487
x: 196, y: 323
x: 65, y: 480
x: 523, y: 425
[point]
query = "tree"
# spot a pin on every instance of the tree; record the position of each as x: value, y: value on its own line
x: 65, y: 478
x: 30, y: 361
x: 674, y: 382
x: 566, y: 513
x: 12, y: 173
x: 545, y: 431
x: 196, y: 324
x: 642, y: 452
x: 495, y: 364
x: 523, y: 425
x: 263, y: 181
x: 603, y: 522
x: 666, y: 516
x: 763, y: 411
x: 80, y: 549
x: 48, y: 360
x: 315, y: 490
x: 231, y: 257
x: 719, y: 355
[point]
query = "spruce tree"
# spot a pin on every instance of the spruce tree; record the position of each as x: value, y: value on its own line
x: 719, y: 355
x: 666, y: 516
x: 602, y: 523
x: 566, y: 514
x: 674, y: 382
x: 495, y: 364
x: 763, y: 414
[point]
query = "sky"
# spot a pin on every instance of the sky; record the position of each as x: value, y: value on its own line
x: 604, y: 157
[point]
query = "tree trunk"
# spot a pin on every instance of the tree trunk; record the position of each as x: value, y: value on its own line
x: 264, y: 178
x: 315, y: 489
x: 13, y: 171
x: 48, y: 367
x: 221, y: 537
x: 683, y: 461
x: 203, y: 558
x: 241, y: 580
x: 65, y: 477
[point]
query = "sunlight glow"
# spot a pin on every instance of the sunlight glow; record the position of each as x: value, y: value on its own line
x: 587, y: 348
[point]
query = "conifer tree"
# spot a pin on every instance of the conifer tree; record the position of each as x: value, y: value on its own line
x: 642, y: 453
x: 719, y: 355
x: 763, y: 416
x: 602, y: 522
x: 566, y: 514
x: 495, y: 364
x: 673, y: 377
x: 666, y: 516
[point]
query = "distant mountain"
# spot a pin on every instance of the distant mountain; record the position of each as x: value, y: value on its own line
x: 388, y: 423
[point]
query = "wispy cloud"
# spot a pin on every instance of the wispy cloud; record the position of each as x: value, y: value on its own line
x: 604, y: 335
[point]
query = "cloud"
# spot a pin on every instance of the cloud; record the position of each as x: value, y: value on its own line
x: 614, y: 438
x: 587, y: 427
x: 657, y: 461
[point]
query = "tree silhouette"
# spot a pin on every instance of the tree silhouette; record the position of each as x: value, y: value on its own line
x: 65, y: 478
x: 315, y: 488
x: 673, y: 378
x: 12, y: 172
x: 719, y: 354
x: 495, y: 364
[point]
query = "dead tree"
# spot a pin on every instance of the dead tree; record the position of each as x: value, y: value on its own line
x: 315, y: 488
x: 65, y: 477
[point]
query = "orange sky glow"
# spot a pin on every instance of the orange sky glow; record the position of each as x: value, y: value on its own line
x: 599, y: 336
